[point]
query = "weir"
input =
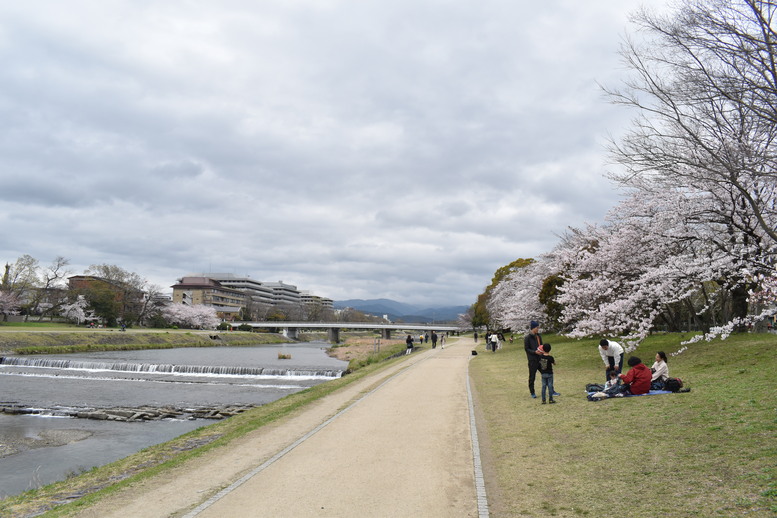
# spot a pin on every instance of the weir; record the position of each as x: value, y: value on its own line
x: 217, y: 370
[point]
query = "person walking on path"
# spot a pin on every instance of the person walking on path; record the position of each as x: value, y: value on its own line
x: 409, y: 343
x: 531, y: 343
x: 434, y: 340
x: 612, y: 356
x: 494, y: 341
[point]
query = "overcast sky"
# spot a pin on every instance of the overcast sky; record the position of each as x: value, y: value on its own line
x: 363, y: 149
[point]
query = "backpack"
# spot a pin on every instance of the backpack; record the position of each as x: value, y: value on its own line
x: 673, y: 384
x: 594, y: 387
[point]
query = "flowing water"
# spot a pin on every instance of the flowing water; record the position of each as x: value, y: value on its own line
x: 183, y: 378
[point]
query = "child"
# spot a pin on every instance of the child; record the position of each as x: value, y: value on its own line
x: 611, y: 387
x: 546, y: 371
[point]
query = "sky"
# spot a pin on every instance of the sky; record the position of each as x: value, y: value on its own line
x: 355, y: 149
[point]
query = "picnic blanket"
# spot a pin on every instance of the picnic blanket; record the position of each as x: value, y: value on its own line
x: 598, y: 396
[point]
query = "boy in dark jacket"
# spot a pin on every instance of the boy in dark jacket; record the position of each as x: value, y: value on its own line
x: 546, y: 363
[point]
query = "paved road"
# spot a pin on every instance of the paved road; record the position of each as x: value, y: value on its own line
x: 397, y: 443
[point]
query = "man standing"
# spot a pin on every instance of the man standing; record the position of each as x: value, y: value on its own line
x: 531, y: 343
x: 612, y: 356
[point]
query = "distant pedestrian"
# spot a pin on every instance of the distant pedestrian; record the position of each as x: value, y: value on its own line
x: 494, y: 342
x: 475, y: 336
x: 409, y: 343
x: 434, y: 340
x: 442, y: 340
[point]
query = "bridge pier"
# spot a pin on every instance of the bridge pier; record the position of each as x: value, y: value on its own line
x: 334, y: 335
x: 385, y: 334
x: 291, y: 333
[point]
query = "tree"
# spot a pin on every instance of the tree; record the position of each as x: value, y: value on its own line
x: 74, y: 311
x: 117, y: 294
x: 50, y: 289
x: 196, y: 316
x: 9, y: 304
x: 481, y: 310
x: 705, y: 87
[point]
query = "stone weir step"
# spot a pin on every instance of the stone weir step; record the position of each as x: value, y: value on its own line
x: 128, y: 414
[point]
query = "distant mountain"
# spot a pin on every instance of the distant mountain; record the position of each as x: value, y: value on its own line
x: 401, y: 311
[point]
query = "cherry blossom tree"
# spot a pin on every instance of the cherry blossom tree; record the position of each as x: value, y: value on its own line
x: 75, y: 311
x: 9, y: 304
x: 197, y: 316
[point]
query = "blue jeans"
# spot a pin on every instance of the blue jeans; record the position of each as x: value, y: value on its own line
x: 547, y: 383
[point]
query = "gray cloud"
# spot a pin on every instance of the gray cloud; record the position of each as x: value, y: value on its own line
x: 357, y: 149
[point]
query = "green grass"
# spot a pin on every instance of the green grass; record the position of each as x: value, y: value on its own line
x: 58, y: 340
x: 711, y: 452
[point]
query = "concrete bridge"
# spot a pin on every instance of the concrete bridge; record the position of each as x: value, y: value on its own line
x: 290, y: 329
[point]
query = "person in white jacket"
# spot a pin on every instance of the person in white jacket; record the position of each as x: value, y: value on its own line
x: 660, y: 370
x: 612, y: 356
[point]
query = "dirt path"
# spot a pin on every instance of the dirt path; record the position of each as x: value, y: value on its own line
x: 393, y: 444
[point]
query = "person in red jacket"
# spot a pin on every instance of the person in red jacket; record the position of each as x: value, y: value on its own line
x: 637, y: 380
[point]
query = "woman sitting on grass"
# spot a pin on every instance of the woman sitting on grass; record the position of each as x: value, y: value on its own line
x: 660, y: 371
x: 637, y: 380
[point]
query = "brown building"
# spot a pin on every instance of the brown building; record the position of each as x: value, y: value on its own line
x: 209, y: 292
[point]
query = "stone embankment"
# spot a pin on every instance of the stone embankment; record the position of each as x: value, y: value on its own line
x: 128, y: 414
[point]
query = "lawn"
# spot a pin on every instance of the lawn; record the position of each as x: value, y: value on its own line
x: 710, y: 452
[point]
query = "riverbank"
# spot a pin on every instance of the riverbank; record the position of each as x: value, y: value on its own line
x: 19, y: 340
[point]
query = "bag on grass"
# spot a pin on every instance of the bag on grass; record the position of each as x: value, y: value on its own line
x: 594, y: 387
x: 673, y: 384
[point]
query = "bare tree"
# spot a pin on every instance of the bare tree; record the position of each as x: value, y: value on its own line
x: 705, y: 87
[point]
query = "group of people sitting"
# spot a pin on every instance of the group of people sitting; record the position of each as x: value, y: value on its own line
x: 639, y: 379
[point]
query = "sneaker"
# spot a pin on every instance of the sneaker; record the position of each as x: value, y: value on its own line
x: 552, y: 401
x: 556, y: 394
x: 534, y: 396
x: 543, y: 402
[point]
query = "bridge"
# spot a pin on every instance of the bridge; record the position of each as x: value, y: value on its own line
x: 291, y: 329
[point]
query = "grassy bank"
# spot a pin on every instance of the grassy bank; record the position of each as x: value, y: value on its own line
x: 710, y: 452
x: 62, y: 339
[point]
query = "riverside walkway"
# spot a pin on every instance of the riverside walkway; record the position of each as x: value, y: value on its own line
x: 400, y: 442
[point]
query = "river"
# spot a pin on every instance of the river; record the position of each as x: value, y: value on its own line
x: 182, y: 378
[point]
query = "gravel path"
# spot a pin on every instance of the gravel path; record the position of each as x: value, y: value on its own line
x: 396, y: 443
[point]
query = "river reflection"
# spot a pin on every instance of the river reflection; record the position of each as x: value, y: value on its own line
x: 87, y: 380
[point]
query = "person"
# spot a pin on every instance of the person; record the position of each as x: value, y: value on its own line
x: 494, y: 341
x: 475, y: 336
x: 660, y: 371
x: 530, y: 344
x: 546, y: 364
x: 637, y: 380
x: 613, y: 384
x: 612, y: 356
x: 434, y: 340
x: 442, y: 339
x: 409, y: 342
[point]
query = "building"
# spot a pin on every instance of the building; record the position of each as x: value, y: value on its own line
x: 230, y: 293
x: 284, y: 293
x: 201, y: 290
x: 309, y: 299
x: 255, y: 291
